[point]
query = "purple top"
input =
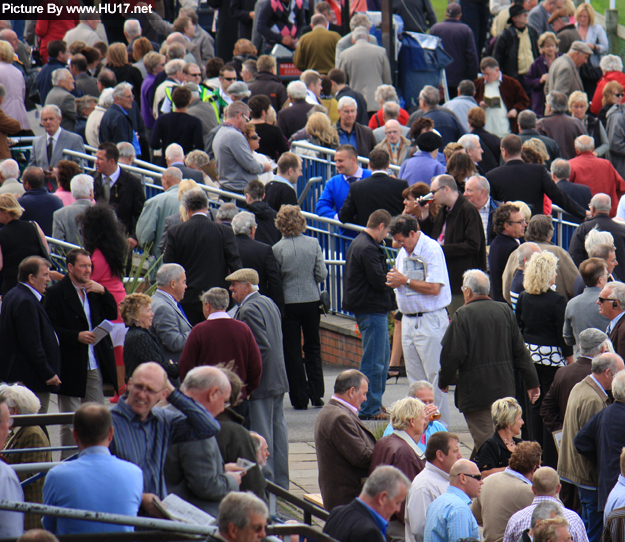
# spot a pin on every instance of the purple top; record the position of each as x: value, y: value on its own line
x: 537, y: 89
x: 421, y: 168
x: 146, y: 108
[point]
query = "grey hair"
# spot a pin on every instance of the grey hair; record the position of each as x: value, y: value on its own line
x: 618, y: 292
x: 605, y: 361
x: 347, y: 380
x: 20, y: 398
x: 560, y: 168
x: 106, y: 98
x: 167, y: 273
x: 595, y: 238
x: 581, y: 147
x: 174, y: 66
x: 469, y: 141
x: 386, y: 93
x: 419, y: 385
x: 611, y: 63
x: 173, y: 172
x: 3, y: 91
x: 237, y: 507
x: 126, y: 150
x: 347, y: 100
x: 196, y: 158
x: 132, y: 27
x: 227, y: 212
x: 296, y: 90
x: 233, y: 110
x: 385, y: 479
x: 525, y: 251
x: 482, y: 183
x: 217, y: 298
x: 601, y: 251
x: 430, y: 95
x: 544, y: 510
x: 204, y: 378
x: 390, y: 110
x: 58, y: 75
x: 360, y: 19
x: 54, y: 108
x: 591, y: 342
x: 81, y: 186
x: 174, y: 151
x: 195, y: 200
x: 243, y: 223
x: 601, y: 202
x: 9, y: 169
x: 558, y: 101
x: 360, y: 33
x: 618, y: 386
x: 527, y: 119
x: 119, y: 89
x: 476, y: 280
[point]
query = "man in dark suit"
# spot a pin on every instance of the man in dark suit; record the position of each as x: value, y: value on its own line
x: 76, y: 306
x: 30, y: 348
x: 258, y: 256
x: 477, y: 191
x: 527, y: 130
x: 600, y: 206
x: 580, y: 193
x: 174, y: 156
x: 380, y: 191
x: 383, y: 495
x: 206, y: 250
x: 518, y: 181
x: 121, y: 190
x: 84, y: 82
x: 612, y: 307
x: 344, y: 444
x: 293, y: 117
x: 39, y: 205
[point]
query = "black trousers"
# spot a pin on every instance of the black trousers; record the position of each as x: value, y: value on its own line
x: 305, y: 375
x: 538, y: 431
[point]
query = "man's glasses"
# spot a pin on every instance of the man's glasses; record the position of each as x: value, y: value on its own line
x: 477, y: 477
x: 604, y: 299
x: 229, y: 78
x: 195, y: 75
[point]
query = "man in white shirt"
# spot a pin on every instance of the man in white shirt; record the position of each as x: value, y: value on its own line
x: 442, y: 451
x: 421, y: 283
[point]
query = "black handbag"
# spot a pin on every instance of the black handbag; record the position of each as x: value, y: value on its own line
x: 324, y: 301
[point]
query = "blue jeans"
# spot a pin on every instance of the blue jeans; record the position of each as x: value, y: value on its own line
x: 476, y: 16
x: 593, y: 520
x: 376, y: 354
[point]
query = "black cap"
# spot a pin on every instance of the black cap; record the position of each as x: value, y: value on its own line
x: 429, y: 141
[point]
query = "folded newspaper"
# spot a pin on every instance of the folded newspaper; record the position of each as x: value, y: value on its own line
x: 176, y: 509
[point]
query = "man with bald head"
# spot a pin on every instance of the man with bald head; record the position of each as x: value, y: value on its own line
x: 143, y: 431
x: 600, y: 209
x: 395, y: 142
x: 596, y: 173
x: 449, y: 517
x: 546, y: 487
x: 23, y: 61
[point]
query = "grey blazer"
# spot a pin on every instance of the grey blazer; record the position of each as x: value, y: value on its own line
x: 66, y: 102
x: 67, y: 140
x: 170, y: 325
x: 64, y: 226
x: 302, y: 267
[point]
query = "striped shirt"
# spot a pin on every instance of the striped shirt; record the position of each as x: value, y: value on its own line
x: 449, y: 518
x: 521, y: 520
x: 145, y: 443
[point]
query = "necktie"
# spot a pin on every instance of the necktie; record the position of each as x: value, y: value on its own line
x: 181, y: 309
x: 609, y: 330
x: 351, y: 180
x: 50, y: 150
x: 106, y: 187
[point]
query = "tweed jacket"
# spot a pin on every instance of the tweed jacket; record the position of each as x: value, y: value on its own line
x: 564, y: 76
x: 344, y: 450
x: 66, y: 102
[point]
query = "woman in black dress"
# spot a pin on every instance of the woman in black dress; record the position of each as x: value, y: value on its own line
x: 495, y: 453
x: 18, y: 240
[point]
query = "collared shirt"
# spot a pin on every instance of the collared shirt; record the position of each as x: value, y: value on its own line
x: 521, y: 520
x: 427, y: 486
x: 218, y: 315
x: 93, y: 364
x: 379, y: 520
x: 163, y: 292
x: 224, y: 96
x: 347, y: 138
x: 11, y: 523
x: 449, y: 518
x: 598, y: 384
x: 114, y: 176
x: 616, y: 499
x: 434, y: 272
x: 279, y: 179
x: 351, y: 407
x: 35, y: 292
x: 484, y: 212
x: 145, y: 443
x: 433, y: 427
x: 54, y: 137
x: 357, y: 175
x: 518, y: 475
x: 311, y: 97
x: 613, y: 322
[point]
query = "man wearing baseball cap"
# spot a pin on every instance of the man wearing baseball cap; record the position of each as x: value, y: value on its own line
x: 262, y: 316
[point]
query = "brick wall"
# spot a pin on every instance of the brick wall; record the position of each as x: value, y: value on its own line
x: 340, y: 349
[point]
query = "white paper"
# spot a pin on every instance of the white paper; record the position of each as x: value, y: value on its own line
x: 181, y: 510
x: 102, y: 331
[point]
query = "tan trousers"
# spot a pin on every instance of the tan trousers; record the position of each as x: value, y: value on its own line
x: 481, y: 427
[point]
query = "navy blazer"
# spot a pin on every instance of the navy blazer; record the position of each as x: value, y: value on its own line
x: 30, y: 351
x: 577, y: 192
x: 39, y: 205
x: 116, y: 126
x: 353, y: 522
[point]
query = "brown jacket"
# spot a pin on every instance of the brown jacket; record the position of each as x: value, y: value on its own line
x: 617, y: 336
x: 7, y: 126
x: 512, y: 94
x: 344, y: 449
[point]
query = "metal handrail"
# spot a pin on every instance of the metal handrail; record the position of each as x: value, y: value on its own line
x: 139, y: 163
x: 309, y: 508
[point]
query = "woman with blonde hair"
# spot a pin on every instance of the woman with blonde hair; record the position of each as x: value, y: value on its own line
x: 539, y: 71
x: 117, y: 62
x: 321, y: 133
x: 578, y: 107
x: 196, y: 160
x: 592, y: 34
x: 18, y: 240
x: 302, y: 268
x: 495, y: 453
x: 540, y: 314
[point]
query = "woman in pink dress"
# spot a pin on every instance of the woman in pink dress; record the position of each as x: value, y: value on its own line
x: 104, y: 237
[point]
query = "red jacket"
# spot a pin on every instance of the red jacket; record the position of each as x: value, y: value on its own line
x: 599, y: 175
x: 50, y: 30
x: 596, y: 99
x: 378, y: 119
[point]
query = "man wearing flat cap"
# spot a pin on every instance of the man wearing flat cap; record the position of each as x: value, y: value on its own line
x: 262, y: 316
x: 564, y: 72
x: 423, y: 166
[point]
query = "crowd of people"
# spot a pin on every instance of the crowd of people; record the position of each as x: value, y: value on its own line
x: 478, y: 297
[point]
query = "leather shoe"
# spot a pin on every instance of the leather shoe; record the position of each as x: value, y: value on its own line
x: 317, y: 402
x: 304, y: 407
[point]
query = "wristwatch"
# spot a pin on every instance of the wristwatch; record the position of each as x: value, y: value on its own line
x: 408, y: 283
